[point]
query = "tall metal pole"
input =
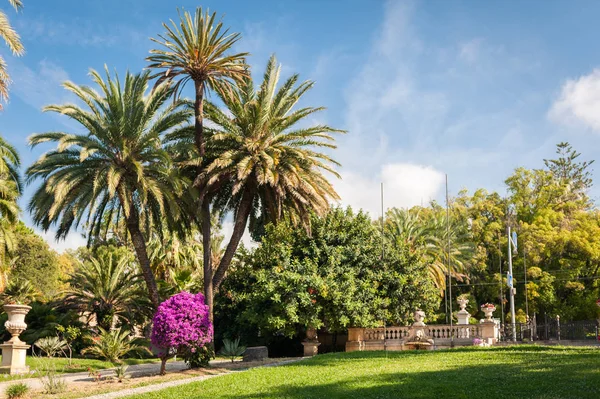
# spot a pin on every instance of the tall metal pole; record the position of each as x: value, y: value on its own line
x: 501, y: 283
x: 512, y: 290
x: 382, y: 264
x: 449, y: 273
x: 525, y: 267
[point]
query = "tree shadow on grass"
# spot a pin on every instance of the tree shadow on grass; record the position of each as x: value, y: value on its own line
x: 545, y: 377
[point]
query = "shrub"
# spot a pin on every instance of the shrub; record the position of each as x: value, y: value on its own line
x: 51, y: 345
x: 232, y: 349
x: 52, y: 383
x: 182, y: 325
x: 113, y: 345
x: 16, y: 391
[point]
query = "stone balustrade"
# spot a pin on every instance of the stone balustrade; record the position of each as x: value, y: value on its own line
x: 421, y: 335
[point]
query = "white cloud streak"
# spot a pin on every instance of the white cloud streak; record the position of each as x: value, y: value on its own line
x: 579, y: 102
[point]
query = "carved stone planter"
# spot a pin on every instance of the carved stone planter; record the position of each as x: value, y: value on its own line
x: 488, y: 311
x: 311, y: 343
x: 14, y: 350
x: 463, y: 316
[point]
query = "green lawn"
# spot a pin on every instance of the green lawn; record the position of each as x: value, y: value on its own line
x: 486, y: 373
x: 61, y: 365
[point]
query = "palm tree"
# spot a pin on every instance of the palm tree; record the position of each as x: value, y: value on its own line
x: 13, y: 41
x: 112, y: 345
x: 197, y: 49
x: 109, y: 287
x: 265, y: 164
x: 429, y: 234
x: 117, y: 168
x: 10, y: 190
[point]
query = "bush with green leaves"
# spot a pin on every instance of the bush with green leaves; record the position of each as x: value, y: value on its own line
x: 113, y: 345
x: 51, y: 345
x: 16, y: 391
x: 232, y: 349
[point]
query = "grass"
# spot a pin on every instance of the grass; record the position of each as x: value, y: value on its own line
x: 503, y: 372
x: 61, y: 365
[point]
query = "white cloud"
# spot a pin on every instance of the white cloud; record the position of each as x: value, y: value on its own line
x: 579, y: 102
x: 78, y: 32
x: 404, y: 184
x: 469, y: 50
x: 73, y: 240
x: 41, y: 85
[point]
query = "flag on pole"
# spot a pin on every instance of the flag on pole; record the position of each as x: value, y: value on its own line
x: 513, y: 240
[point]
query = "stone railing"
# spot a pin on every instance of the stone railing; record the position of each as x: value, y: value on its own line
x: 434, y: 331
x: 422, y: 336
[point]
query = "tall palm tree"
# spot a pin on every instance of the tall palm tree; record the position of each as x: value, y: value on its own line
x: 117, y: 168
x: 197, y: 49
x: 10, y: 190
x: 429, y: 234
x: 264, y: 162
x: 108, y: 286
x: 13, y: 41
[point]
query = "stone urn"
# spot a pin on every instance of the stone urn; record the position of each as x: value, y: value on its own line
x: 15, y: 324
x: 462, y: 315
x: 488, y: 310
x: 462, y: 303
x: 311, y: 343
x: 15, y: 350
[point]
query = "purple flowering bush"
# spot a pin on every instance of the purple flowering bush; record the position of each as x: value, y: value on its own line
x: 181, y: 326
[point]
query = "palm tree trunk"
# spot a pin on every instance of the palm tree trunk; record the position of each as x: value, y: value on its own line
x: 139, y: 244
x: 205, y: 203
x: 241, y: 220
x: 206, y: 251
x: 199, y: 115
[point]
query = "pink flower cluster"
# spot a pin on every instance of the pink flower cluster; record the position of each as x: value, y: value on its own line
x: 182, y: 321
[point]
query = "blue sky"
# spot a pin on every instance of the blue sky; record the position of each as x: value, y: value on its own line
x: 468, y: 88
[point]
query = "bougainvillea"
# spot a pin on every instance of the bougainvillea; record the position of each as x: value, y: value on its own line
x: 181, y: 325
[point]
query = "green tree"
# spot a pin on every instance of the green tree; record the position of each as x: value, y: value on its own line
x: 197, y: 49
x: 116, y: 169
x: 36, y: 262
x: 427, y: 231
x: 13, y: 41
x: 10, y: 190
x: 109, y: 287
x: 332, y: 278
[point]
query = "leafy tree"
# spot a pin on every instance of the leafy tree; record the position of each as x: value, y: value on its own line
x: 13, y: 41
x: 265, y: 165
x: 197, y: 50
x: 332, y: 278
x: 108, y: 286
x: 116, y: 168
x: 36, y: 262
x: 567, y: 171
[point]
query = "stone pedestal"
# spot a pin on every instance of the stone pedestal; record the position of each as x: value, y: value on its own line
x: 463, y: 316
x: 311, y: 348
x: 489, y: 331
x: 14, y: 350
x: 13, y: 358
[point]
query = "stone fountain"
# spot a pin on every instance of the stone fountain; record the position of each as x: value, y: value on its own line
x: 418, y: 339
